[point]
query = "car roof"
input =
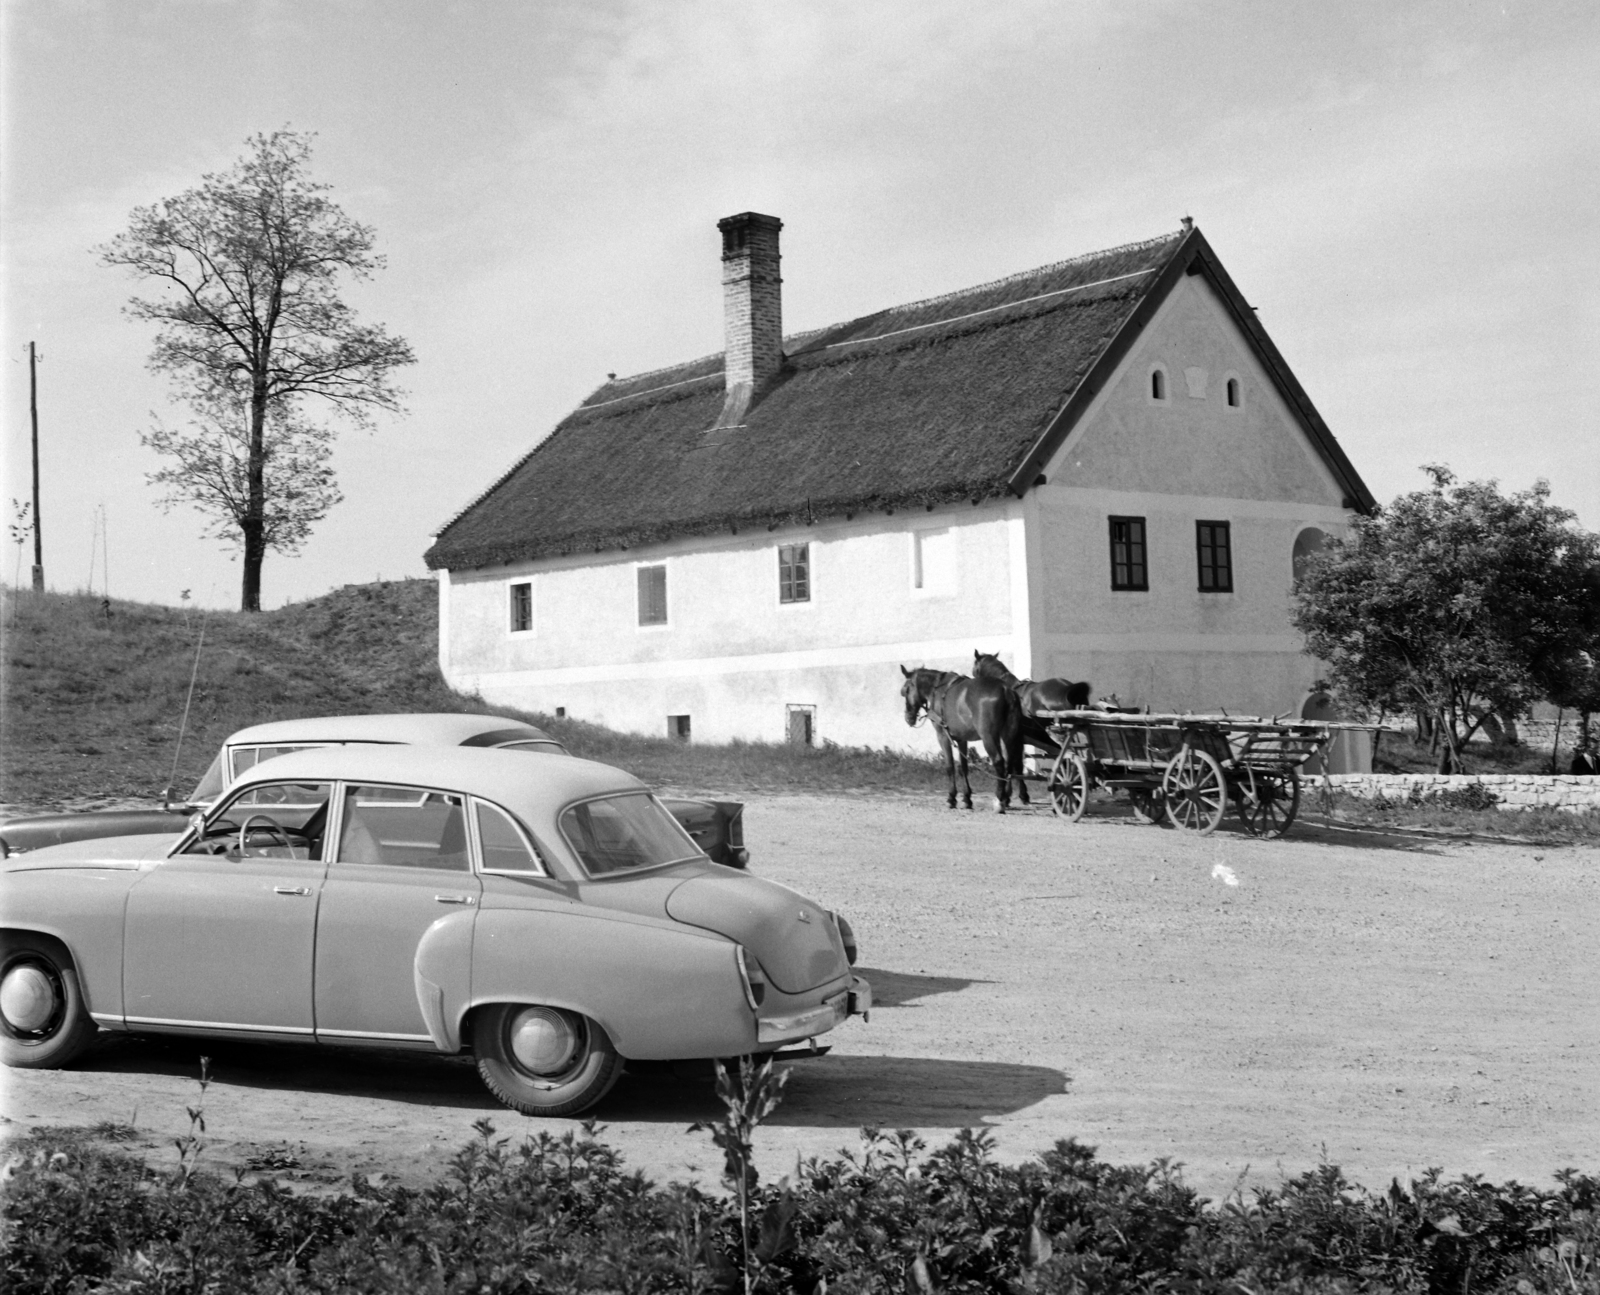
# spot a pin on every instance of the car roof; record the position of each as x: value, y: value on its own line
x: 419, y: 730
x: 511, y: 778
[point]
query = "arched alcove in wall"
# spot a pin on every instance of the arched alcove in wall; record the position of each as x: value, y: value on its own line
x: 1349, y: 752
x: 1309, y: 541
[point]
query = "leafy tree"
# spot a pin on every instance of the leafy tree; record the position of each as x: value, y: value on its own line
x: 251, y: 327
x: 211, y: 469
x: 1455, y: 602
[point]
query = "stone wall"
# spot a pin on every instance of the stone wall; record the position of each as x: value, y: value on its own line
x: 1513, y: 790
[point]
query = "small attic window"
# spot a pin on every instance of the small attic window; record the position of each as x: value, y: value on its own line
x: 1233, y: 393
x: 1158, y: 383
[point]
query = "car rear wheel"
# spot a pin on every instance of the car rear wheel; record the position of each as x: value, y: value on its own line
x: 43, y: 1021
x: 542, y: 1060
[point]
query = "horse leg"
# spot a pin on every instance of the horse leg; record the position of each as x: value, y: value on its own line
x: 1002, y: 782
x: 949, y: 765
x: 966, y: 782
x: 1016, y: 757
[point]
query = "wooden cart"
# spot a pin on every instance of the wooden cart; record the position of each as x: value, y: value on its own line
x: 1187, y: 767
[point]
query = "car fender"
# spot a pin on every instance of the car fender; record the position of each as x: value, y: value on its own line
x: 83, y: 909
x: 443, y: 977
x: 661, y: 991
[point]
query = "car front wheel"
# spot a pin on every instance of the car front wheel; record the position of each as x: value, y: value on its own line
x: 542, y: 1060
x: 43, y: 1022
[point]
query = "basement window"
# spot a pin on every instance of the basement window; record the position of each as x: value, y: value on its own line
x: 521, y: 607
x: 1128, y: 568
x: 678, y: 728
x: 801, y: 725
x: 652, y: 595
x: 1214, y: 549
x: 794, y: 573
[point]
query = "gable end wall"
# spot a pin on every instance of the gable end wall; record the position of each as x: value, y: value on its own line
x: 1187, y: 459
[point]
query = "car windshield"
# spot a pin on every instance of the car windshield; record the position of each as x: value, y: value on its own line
x: 211, y: 782
x: 625, y: 833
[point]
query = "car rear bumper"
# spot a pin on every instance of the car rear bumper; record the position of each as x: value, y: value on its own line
x: 854, y: 1000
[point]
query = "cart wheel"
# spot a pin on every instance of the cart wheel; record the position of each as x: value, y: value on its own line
x: 1195, y: 791
x: 1268, y: 801
x: 1069, y: 786
x: 1145, y: 808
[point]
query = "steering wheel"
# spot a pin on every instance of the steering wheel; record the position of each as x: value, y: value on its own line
x: 264, y: 823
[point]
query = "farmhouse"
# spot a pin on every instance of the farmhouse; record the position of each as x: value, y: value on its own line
x: 1101, y: 469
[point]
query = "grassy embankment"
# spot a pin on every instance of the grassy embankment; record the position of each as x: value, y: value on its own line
x: 93, y: 703
x: 93, y: 706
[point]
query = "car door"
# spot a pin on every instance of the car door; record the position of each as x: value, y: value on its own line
x: 402, y: 864
x: 220, y: 934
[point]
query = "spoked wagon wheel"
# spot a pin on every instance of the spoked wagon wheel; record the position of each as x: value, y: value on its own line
x: 1069, y: 786
x: 1146, y: 805
x: 1268, y: 800
x: 1195, y: 792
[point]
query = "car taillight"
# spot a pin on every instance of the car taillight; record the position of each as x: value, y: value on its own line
x: 754, y: 979
x: 848, y: 937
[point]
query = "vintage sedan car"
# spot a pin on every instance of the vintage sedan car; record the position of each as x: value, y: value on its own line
x: 716, y: 825
x: 549, y: 916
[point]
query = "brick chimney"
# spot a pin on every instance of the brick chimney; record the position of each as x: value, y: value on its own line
x: 752, y: 305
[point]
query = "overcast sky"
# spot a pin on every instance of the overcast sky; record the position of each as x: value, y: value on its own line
x: 1407, y: 192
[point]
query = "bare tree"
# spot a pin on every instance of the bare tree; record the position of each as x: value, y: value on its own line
x: 249, y: 314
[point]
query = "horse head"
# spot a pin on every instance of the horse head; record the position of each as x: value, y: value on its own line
x: 987, y: 665
x: 914, y: 691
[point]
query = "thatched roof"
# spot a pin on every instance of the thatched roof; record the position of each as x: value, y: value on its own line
x: 961, y: 397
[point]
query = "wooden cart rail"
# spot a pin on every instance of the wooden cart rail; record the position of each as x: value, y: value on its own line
x: 1189, y: 767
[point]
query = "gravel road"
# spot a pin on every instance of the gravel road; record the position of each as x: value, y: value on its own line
x: 1244, y: 1007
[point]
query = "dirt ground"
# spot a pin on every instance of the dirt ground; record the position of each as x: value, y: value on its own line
x: 1247, y: 1008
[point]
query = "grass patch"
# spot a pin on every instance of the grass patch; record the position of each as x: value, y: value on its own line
x: 1459, y: 811
x: 1402, y: 753
x: 93, y: 702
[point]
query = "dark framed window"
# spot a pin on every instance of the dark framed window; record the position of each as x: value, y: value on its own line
x: 794, y: 573
x: 1128, y: 569
x: 521, y: 607
x: 1214, y: 549
x: 678, y: 727
x: 652, y: 595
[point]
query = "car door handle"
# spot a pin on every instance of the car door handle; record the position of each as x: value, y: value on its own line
x: 291, y: 890
x: 452, y: 899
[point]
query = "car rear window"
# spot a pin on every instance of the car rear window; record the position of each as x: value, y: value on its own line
x: 624, y: 833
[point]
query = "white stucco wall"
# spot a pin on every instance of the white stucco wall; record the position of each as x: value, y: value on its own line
x: 731, y: 656
x: 1189, y: 458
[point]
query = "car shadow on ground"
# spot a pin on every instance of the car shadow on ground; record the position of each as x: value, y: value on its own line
x: 849, y: 1092
x: 420, y: 1078
x: 825, y: 1091
x: 900, y: 988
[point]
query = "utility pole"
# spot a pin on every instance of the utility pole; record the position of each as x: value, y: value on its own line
x: 33, y: 411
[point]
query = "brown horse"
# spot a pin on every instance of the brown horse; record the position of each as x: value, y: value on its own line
x: 964, y: 710
x: 1033, y: 697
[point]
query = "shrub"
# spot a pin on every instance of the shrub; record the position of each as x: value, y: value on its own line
x: 561, y: 1213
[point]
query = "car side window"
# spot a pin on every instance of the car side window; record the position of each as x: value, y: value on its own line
x: 277, y: 820
x: 404, y: 827
x: 247, y: 757
x: 505, y: 848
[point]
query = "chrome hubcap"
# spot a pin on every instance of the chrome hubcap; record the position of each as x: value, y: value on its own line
x: 543, y: 1040
x: 28, y: 998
